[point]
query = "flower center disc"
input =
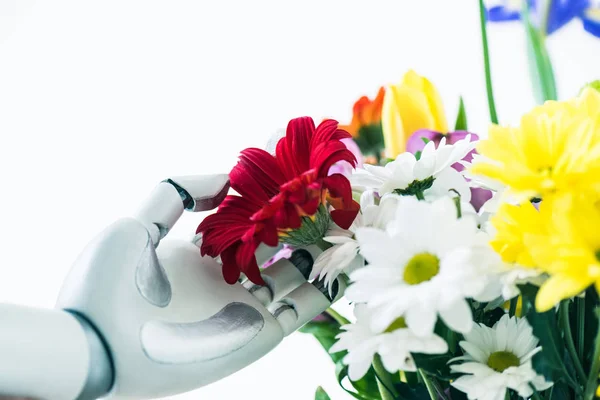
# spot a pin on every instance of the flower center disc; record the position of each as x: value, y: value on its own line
x: 421, y: 268
x: 501, y: 360
x: 398, y: 323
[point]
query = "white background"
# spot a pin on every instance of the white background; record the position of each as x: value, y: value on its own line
x: 101, y: 100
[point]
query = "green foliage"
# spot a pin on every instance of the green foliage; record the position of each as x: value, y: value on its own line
x: 321, y: 394
x: 461, y: 117
x: 370, y: 139
x: 591, y: 325
x: 434, y: 364
x: 406, y: 392
x: 548, y: 362
x: 488, y: 313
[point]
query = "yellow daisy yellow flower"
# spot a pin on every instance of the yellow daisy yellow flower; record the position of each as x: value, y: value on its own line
x: 512, y: 223
x: 569, y: 252
x: 555, y: 150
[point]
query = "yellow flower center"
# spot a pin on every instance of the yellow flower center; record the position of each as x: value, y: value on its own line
x: 421, y: 268
x: 501, y: 360
x: 399, y: 323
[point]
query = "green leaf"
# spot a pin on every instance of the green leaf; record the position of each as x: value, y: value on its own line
x: 540, y: 66
x: 406, y: 392
x: 461, y: 117
x: 456, y: 394
x: 367, y: 386
x: 549, y: 361
x: 591, y: 325
x: 486, y: 63
x: 492, y: 305
x: 418, y: 154
x: 434, y: 364
x: 321, y: 394
x: 370, y: 139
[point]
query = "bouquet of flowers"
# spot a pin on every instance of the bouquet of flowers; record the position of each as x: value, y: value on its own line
x: 473, y: 264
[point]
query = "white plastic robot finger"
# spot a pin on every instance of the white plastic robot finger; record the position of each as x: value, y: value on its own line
x: 304, y: 304
x: 172, y: 196
x: 284, y: 275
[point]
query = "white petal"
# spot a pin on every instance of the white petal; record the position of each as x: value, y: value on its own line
x: 421, y: 321
x: 458, y: 317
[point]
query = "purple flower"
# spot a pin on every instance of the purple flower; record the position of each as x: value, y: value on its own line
x: 285, y: 252
x: 560, y: 13
x: 416, y: 144
x: 344, y: 167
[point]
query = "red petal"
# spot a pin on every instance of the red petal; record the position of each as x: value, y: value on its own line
x: 339, y: 186
x: 311, y: 207
x: 328, y: 153
x: 231, y: 271
x: 345, y: 218
x: 262, y: 167
x: 287, y: 217
x: 247, y: 261
x: 269, y: 209
x: 327, y: 131
x: 243, y: 182
x: 299, y: 134
x: 284, y: 155
x: 268, y: 235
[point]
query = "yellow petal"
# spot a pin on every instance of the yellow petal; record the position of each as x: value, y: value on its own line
x: 557, y: 288
x: 391, y: 125
x: 436, y: 107
x: 412, y: 105
x: 433, y: 106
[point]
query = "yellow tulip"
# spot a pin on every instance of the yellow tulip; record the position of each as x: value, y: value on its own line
x: 412, y: 105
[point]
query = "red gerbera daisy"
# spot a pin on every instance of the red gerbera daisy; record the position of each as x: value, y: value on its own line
x: 277, y: 194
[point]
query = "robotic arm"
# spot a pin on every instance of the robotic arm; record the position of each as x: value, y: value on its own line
x: 139, y: 320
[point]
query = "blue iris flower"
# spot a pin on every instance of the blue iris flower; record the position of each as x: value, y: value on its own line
x: 559, y: 13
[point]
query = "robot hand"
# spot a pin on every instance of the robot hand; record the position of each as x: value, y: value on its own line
x: 164, y: 315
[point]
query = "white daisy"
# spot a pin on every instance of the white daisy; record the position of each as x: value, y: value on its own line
x: 345, y: 255
x: 497, y: 359
x: 394, y: 345
x: 429, y: 177
x: 426, y: 263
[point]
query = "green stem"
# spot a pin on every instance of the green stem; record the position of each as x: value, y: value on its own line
x: 337, y: 316
x: 420, y: 195
x: 428, y: 385
x: 580, y: 326
x: 545, y: 15
x: 486, y: 61
x: 566, y: 326
x: 535, y: 395
x: 451, y: 339
x: 513, y: 306
x: 384, y: 380
x: 590, y: 388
